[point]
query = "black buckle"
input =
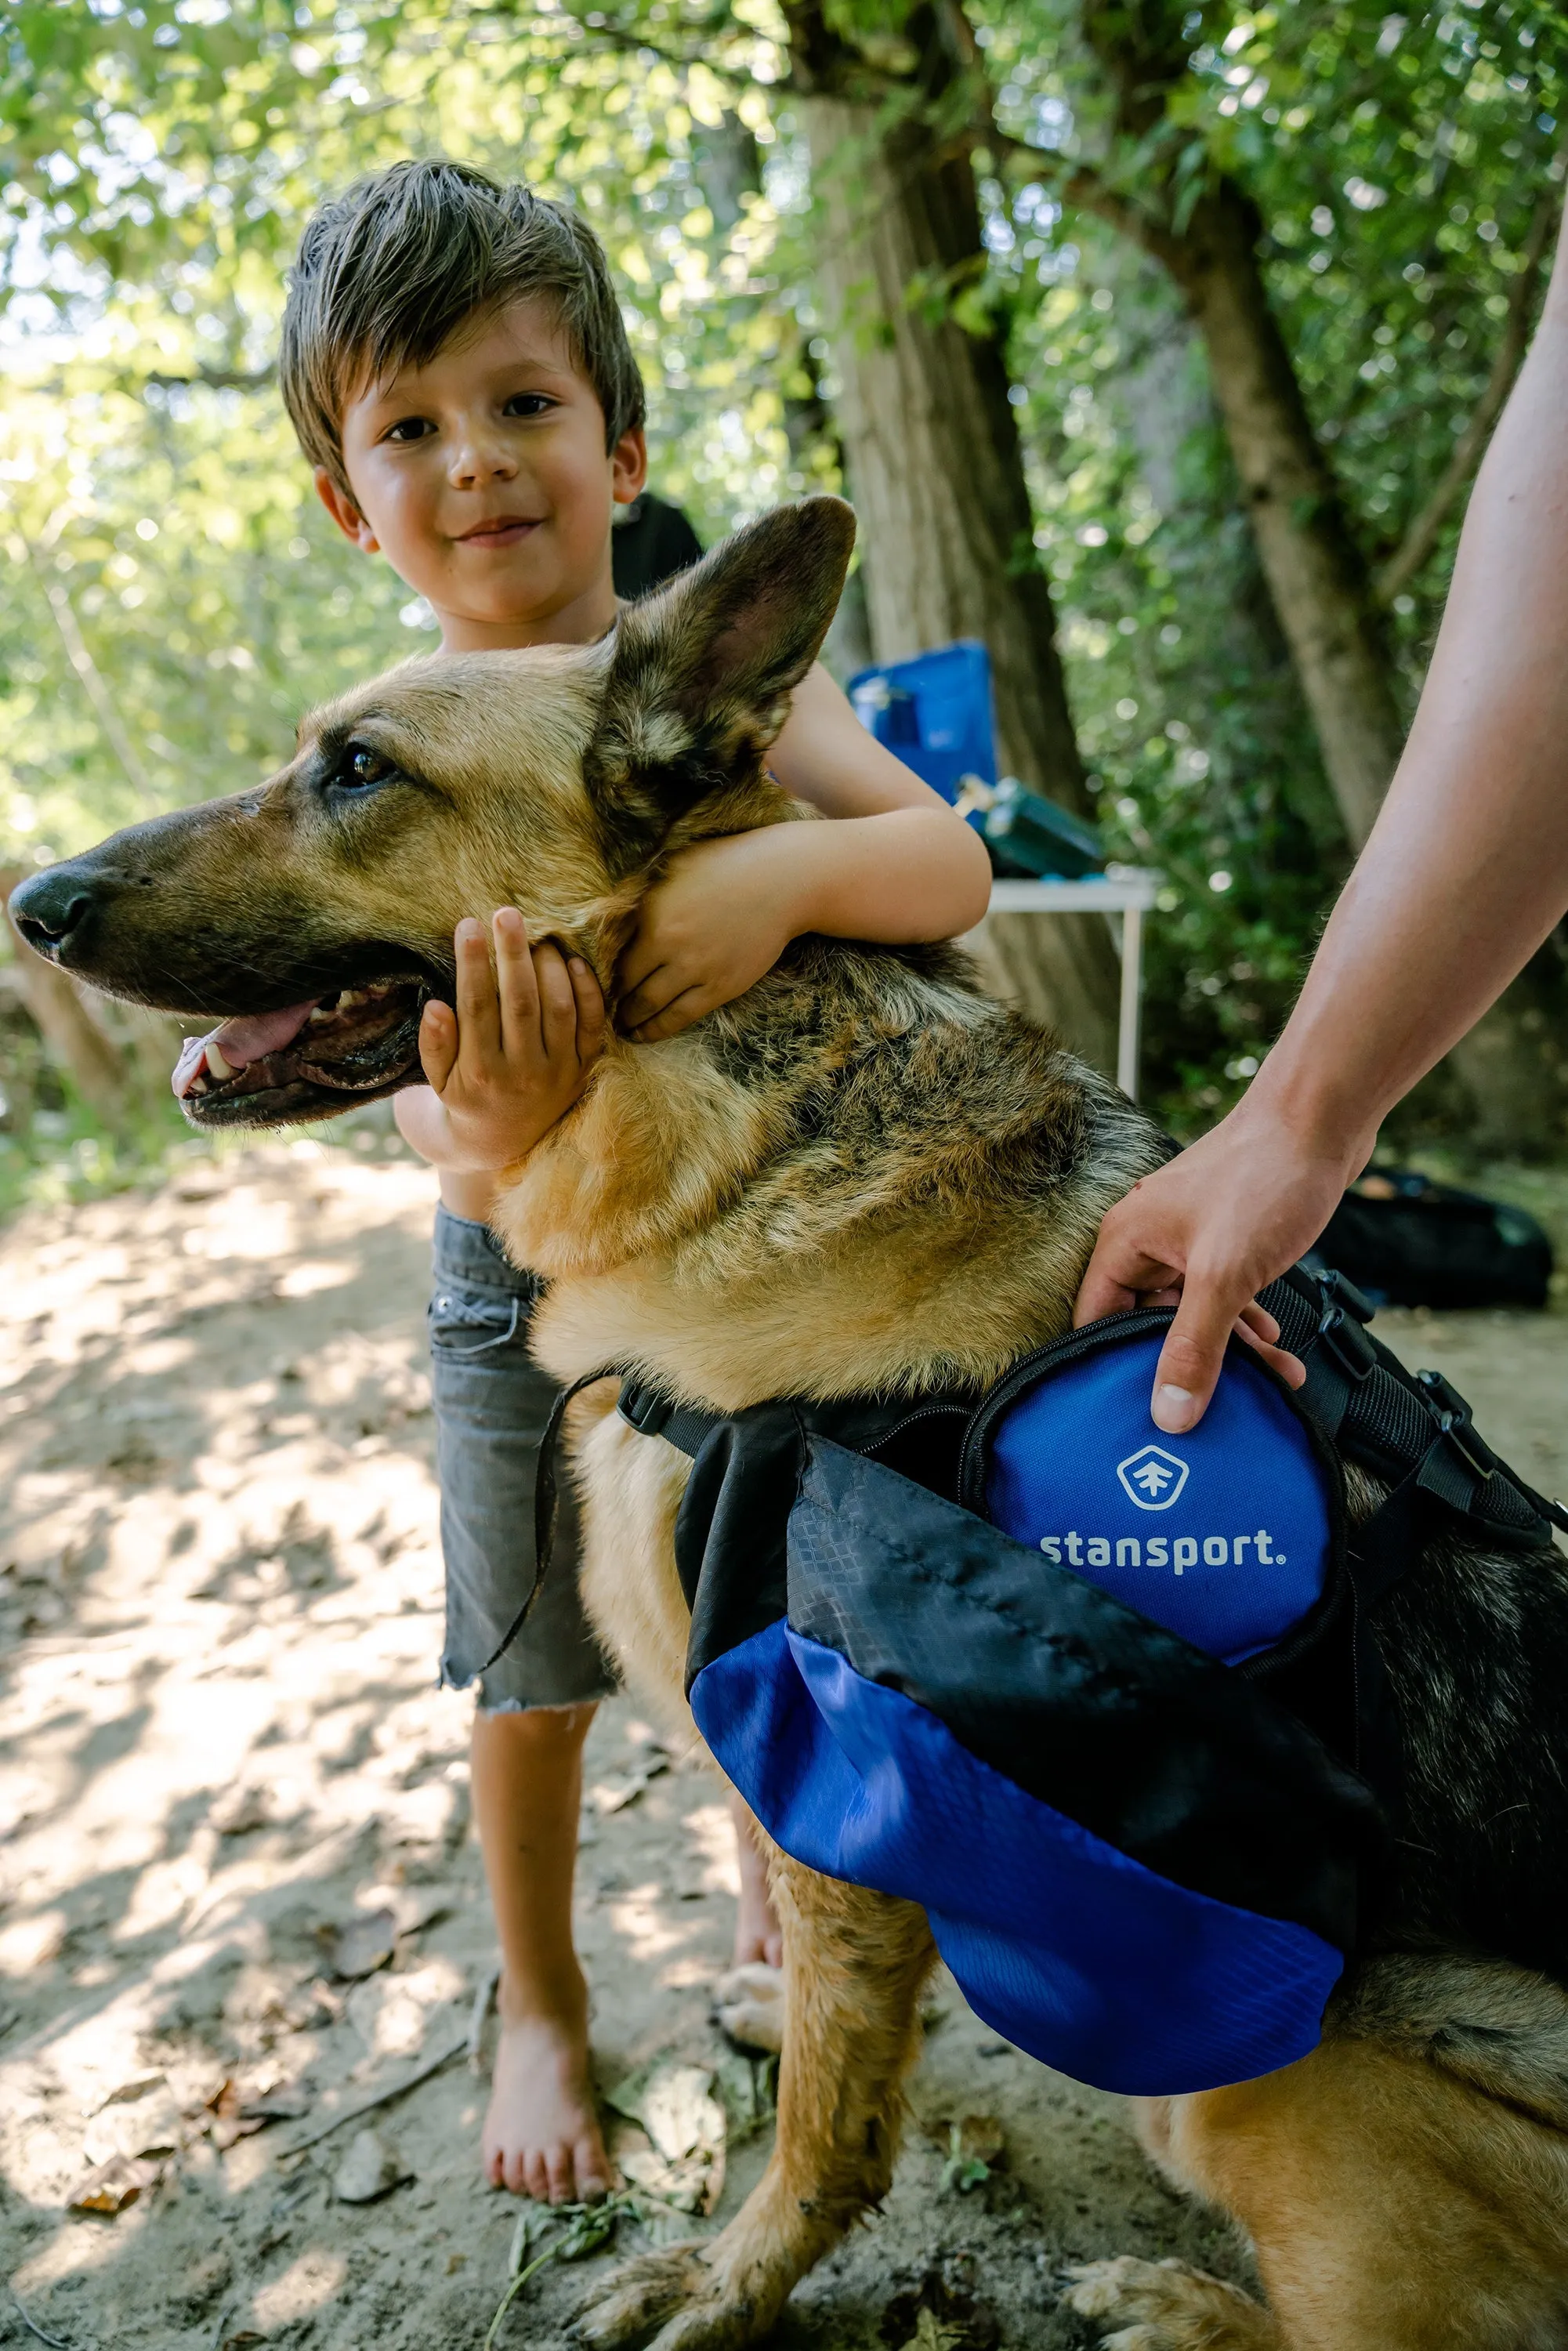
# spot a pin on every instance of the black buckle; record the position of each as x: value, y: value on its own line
x: 1338, y: 1289
x: 1452, y: 1415
x: 1347, y: 1343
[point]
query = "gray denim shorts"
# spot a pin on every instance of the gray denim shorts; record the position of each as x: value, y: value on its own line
x: 492, y: 1402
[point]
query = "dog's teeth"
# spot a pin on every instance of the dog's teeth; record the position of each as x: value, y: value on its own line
x: 216, y: 1063
x: 350, y: 996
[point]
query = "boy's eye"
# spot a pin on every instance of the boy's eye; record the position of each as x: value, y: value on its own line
x: 528, y: 403
x: 408, y: 428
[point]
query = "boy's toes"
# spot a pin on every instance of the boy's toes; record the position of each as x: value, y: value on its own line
x: 561, y: 2175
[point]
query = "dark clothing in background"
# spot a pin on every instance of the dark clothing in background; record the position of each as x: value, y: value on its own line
x: 649, y: 542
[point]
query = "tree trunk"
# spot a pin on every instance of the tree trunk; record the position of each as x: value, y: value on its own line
x: 933, y: 455
x: 1321, y: 586
x: 1319, y: 580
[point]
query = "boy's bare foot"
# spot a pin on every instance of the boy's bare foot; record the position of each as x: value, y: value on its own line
x: 541, y: 2133
x: 756, y: 1931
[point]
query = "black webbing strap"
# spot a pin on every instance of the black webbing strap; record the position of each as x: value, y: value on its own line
x: 547, y: 1505
x: 653, y: 1414
x: 1415, y: 1432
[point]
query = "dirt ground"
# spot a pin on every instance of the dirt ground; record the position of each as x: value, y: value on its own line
x: 228, y: 1787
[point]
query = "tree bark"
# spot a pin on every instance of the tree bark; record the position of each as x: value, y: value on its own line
x: 932, y: 450
x: 1319, y: 579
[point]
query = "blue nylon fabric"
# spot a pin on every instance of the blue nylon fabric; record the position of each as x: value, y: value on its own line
x: 1236, y: 1512
x: 1074, y: 1952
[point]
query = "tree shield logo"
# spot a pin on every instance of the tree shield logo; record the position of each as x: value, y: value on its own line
x: 1152, y: 1478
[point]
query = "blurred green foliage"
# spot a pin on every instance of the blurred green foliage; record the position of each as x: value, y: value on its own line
x: 175, y: 597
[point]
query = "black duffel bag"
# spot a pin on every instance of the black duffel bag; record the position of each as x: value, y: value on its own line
x: 1407, y: 1240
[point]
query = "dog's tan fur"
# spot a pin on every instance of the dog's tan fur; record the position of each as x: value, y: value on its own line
x: 863, y: 1176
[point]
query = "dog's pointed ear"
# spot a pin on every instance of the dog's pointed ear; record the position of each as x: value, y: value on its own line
x: 700, y: 673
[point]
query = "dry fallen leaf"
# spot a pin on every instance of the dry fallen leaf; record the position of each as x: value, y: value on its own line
x: 685, y: 2163
x: 115, y: 2184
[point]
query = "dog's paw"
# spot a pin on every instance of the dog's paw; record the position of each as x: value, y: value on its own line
x: 750, y: 2006
x: 668, y: 2301
x: 1166, y: 2306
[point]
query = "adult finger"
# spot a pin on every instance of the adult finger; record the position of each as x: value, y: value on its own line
x: 1194, y: 1351
x: 592, y: 1016
x: 478, y: 1012
x: 517, y: 989
x: 1120, y: 1274
x: 1261, y: 1333
x: 437, y: 1042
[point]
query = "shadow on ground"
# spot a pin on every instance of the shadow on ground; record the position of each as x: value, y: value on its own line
x: 225, y: 1769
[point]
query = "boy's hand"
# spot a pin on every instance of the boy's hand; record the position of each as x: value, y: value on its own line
x: 518, y: 1050
x: 723, y: 915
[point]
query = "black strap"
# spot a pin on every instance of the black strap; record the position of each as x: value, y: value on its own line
x: 547, y: 1505
x: 1400, y: 1427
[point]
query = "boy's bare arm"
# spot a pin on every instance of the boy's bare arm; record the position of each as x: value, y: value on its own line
x: 512, y: 1054
x: 899, y: 866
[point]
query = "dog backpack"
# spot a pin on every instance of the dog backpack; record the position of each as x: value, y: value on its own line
x: 1085, y: 1693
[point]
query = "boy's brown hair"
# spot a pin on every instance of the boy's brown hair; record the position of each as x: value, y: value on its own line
x: 390, y: 270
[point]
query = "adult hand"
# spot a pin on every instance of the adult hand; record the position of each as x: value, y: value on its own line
x: 1204, y: 1234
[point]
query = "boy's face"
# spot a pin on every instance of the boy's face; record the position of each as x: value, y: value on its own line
x: 483, y: 478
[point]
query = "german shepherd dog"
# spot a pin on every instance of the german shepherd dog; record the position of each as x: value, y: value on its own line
x: 866, y: 1174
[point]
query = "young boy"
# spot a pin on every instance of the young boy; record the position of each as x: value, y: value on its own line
x: 455, y: 365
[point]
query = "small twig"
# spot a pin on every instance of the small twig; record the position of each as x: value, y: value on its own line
x: 484, y: 1994
x: 33, y: 2327
x: 586, y: 2227
x: 382, y: 2098
x: 1423, y: 532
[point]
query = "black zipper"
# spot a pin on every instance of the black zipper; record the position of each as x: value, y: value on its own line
x: 1040, y: 1364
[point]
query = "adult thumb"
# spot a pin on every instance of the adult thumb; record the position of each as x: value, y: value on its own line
x: 1191, y: 1358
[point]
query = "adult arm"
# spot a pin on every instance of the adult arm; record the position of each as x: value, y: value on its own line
x: 1463, y: 876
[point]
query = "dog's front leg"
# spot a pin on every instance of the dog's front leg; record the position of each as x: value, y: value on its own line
x: 853, y: 1966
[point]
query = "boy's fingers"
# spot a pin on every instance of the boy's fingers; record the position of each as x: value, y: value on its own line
x: 437, y: 1044
x: 592, y: 1018
x: 557, y: 1003
x: 647, y: 997
x: 517, y: 985
x: 478, y: 1012
x: 689, y: 1006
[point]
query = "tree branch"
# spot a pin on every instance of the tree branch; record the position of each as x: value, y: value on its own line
x: 1422, y: 535
x: 213, y: 379
x: 92, y: 679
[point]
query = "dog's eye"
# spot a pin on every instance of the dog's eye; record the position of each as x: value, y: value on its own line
x: 361, y: 769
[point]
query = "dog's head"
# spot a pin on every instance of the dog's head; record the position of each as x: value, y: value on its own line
x: 317, y: 910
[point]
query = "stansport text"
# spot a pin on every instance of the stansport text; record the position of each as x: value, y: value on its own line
x: 1178, y: 1552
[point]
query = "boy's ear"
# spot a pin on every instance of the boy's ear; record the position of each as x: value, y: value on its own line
x: 700, y: 672
x: 344, y: 512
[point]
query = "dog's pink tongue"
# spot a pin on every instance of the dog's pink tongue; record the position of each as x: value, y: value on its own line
x: 241, y: 1041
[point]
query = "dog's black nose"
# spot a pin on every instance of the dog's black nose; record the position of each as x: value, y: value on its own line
x: 49, y: 907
